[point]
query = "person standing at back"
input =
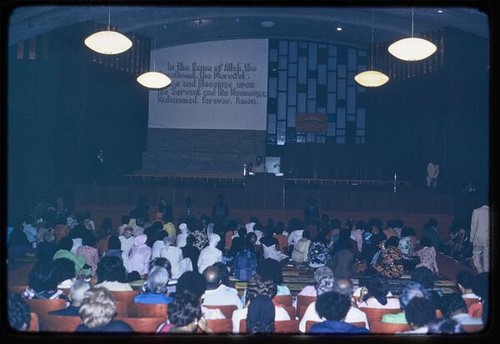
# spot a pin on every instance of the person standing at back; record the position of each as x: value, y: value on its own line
x: 480, y: 236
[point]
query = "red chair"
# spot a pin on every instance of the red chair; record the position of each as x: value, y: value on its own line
x: 302, y: 303
x: 147, y: 310
x: 376, y: 314
x: 61, y: 323
x: 285, y: 300
x: 34, y: 325
x: 309, y: 323
x: 473, y: 328
x: 220, y: 325
x: 470, y: 301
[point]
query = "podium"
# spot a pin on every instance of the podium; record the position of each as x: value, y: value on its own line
x: 265, y: 191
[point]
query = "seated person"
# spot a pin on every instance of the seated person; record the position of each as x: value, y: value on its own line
x: 76, y: 293
x: 420, y: 311
x: 342, y: 286
x: 98, y: 310
x: 156, y: 287
x: 184, y: 315
x: 111, y: 274
x: 375, y: 294
x: 411, y: 289
x: 319, y: 274
x: 333, y: 307
x: 454, y: 307
x: 271, y: 269
x: 218, y: 294
x: 258, y: 285
x: 19, y: 312
x: 427, y: 255
x: 261, y: 314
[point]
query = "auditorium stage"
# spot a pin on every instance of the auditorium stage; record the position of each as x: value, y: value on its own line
x: 266, y: 195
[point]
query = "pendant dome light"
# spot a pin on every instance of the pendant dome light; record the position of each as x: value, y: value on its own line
x: 371, y: 77
x: 154, y: 80
x: 412, y: 48
x: 108, y: 42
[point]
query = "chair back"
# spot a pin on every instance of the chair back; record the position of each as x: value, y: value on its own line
x: 34, y: 325
x: 121, y: 308
x: 17, y: 289
x: 125, y: 296
x: 473, y: 328
x: 286, y: 326
x: 376, y: 314
x: 227, y: 310
x: 285, y: 300
x: 147, y: 310
x: 302, y: 303
x: 42, y: 307
x: 61, y: 323
x: 469, y: 301
x: 309, y: 324
x: 220, y: 325
x: 388, y: 328
x: 143, y: 325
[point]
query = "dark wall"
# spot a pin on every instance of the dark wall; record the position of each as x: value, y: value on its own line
x: 62, y: 106
x: 443, y: 115
x: 210, y: 150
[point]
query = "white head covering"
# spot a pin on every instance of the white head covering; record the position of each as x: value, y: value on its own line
x: 249, y: 226
x: 140, y: 239
x: 214, y: 240
x: 184, y: 228
x: 168, y: 240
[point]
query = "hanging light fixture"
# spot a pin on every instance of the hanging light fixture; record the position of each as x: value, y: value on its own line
x: 154, y: 79
x: 108, y: 42
x: 412, y: 48
x: 371, y: 77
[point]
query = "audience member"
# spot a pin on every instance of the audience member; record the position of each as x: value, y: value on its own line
x: 319, y: 274
x: 427, y: 255
x: 480, y: 235
x: 156, y: 287
x: 111, y: 274
x: 411, y: 289
x: 454, y: 307
x: 42, y: 282
x: 140, y: 255
x: 19, y: 312
x: 261, y: 314
x: 444, y: 326
x: 389, y: 260
x: 190, y: 250
x: 76, y: 294
x: 300, y: 253
x: 174, y: 255
x: 210, y: 254
x: 98, y: 310
x: 126, y: 241
x: 420, y: 311
x: 64, y: 251
x: 182, y: 236
x: 374, y: 294
x: 217, y: 293
x: 333, y: 307
x: 258, y: 285
x: 271, y: 269
x: 184, y: 315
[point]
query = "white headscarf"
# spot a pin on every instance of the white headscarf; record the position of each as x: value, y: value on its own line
x: 214, y: 240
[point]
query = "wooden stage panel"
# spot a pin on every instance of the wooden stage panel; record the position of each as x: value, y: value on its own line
x: 267, y: 196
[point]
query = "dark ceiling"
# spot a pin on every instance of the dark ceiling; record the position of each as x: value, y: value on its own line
x: 180, y: 25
